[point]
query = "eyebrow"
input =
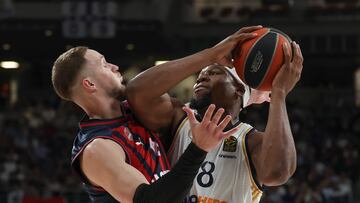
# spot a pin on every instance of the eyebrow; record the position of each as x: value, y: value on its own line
x: 101, y: 58
x: 217, y: 68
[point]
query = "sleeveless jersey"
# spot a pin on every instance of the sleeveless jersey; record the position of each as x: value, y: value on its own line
x: 225, y: 176
x: 142, y: 148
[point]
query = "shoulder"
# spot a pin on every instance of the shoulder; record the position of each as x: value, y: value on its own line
x: 99, y: 144
x: 181, y: 123
x: 254, y: 139
x: 96, y: 163
x: 100, y: 150
x: 85, y: 136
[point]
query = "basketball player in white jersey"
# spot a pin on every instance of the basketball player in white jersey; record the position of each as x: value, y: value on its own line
x: 235, y: 172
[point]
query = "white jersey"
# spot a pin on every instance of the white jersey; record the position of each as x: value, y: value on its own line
x: 225, y: 175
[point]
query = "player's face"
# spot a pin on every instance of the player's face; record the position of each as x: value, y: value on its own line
x: 104, y: 75
x: 214, y: 82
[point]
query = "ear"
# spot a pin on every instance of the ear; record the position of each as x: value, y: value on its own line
x: 239, y: 89
x: 88, y: 85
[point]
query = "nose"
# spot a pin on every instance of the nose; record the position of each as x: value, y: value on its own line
x: 114, y: 67
x: 202, y: 77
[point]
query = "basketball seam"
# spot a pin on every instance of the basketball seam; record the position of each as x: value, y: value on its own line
x: 287, y: 37
x: 247, y: 56
x: 272, y: 58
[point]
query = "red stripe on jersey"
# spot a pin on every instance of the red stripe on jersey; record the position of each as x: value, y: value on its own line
x: 135, y: 161
x: 84, y: 125
x: 136, y: 139
x: 162, y: 151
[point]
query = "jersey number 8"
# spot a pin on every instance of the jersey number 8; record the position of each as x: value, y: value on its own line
x: 205, y: 177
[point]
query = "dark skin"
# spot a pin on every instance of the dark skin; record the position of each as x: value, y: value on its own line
x: 272, y: 151
x: 225, y: 92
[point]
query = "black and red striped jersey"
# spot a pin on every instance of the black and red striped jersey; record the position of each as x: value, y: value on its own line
x: 142, y: 147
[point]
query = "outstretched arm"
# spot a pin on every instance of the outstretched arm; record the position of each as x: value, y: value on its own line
x: 273, y: 151
x: 146, y: 93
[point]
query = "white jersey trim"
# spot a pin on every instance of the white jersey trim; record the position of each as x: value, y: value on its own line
x: 179, y: 127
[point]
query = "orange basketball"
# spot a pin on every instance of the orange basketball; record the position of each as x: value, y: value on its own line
x: 258, y: 60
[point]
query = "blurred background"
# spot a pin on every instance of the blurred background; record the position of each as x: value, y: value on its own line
x: 37, y: 128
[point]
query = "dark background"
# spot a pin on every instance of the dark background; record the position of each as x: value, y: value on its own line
x: 37, y: 129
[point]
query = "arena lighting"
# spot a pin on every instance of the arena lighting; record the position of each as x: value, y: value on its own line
x: 130, y: 47
x: 6, y: 47
x: 159, y: 62
x: 9, y: 64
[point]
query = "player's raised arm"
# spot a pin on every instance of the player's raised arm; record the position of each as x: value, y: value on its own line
x: 147, y: 92
x: 274, y: 152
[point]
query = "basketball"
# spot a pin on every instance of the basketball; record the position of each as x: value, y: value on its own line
x: 259, y: 59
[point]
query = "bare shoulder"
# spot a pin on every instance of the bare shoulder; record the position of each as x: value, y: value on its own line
x: 100, y: 142
x: 178, y: 113
x: 99, y: 150
x: 101, y: 161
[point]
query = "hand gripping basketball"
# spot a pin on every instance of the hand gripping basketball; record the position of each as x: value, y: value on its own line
x: 258, y: 60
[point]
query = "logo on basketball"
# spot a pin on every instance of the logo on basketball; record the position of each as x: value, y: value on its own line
x: 258, y: 60
x: 255, y: 66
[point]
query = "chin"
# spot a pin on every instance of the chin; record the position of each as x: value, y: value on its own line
x: 200, y: 101
x: 201, y: 93
x: 118, y: 92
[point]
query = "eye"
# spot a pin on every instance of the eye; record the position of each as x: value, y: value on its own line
x: 197, y: 80
x: 106, y: 64
x: 214, y: 73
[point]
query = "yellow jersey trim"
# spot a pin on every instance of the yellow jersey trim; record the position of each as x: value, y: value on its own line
x: 255, y: 190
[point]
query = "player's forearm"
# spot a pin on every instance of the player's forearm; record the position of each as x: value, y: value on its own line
x: 278, y: 149
x: 158, y: 80
x: 173, y: 186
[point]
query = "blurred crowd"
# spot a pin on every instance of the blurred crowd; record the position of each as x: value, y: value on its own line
x: 36, y: 139
x: 326, y: 133
x: 35, y: 145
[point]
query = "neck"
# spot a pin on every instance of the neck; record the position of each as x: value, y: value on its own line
x: 235, y: 120
x: 102, y: 108
x: 233, y: 112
